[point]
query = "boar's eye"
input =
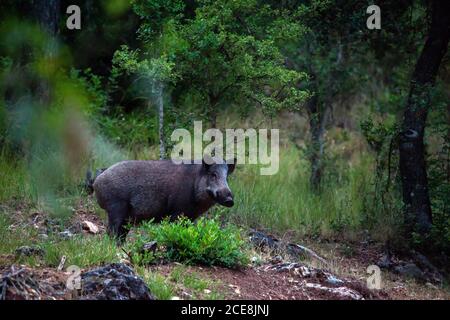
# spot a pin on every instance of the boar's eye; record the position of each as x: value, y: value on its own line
x: 214, y: 175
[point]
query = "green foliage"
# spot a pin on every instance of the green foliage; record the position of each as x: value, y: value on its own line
x: 154, y: 13
x: 378, y: 133
x: 226, y: 54
x: 438, y: 160
x: 81, y: 250
x: 382, y: 201
x: 15, y: 179
x: 204, y: 242
x: 196, y: 283
x: 159, y: 284
x: 285, y: 202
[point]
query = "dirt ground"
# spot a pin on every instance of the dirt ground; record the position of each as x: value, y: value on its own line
x: 258, y: 283
x: 266, y: 281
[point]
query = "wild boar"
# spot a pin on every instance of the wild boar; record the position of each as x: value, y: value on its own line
x: 133, y: 191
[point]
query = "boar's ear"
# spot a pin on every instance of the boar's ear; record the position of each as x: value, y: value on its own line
x: 231, y: 165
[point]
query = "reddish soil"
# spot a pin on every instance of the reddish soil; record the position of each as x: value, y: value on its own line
x: 261, y: 284
x: 258, y: 283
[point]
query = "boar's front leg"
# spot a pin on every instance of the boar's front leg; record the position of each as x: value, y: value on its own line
x: 117, y: 218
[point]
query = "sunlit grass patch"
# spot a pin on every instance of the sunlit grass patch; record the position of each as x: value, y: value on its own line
x: 81, y: 251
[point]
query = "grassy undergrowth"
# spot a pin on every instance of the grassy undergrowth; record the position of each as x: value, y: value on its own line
x: 80, y: 250
x: 280, y: 203
x: 285, y: 202
x: 202, y: 242
x: 181, y: 282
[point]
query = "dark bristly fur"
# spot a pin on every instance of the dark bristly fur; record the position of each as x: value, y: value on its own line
x: 133, y: 191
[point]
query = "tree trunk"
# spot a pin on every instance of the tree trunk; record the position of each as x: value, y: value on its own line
x: 160, y: 103
x: 418, y: 216
x: 212, y: 110
x: 317, y: 122
x: 213, y: 119
x: 47, y: 14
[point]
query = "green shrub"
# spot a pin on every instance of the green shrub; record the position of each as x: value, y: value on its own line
x: 202, y: 242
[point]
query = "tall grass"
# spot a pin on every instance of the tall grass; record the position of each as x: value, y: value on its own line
x: 14, y: 179
x: 285, y: 202
x: 281, y: 203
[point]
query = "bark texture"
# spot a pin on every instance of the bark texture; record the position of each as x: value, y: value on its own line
x: 418, y: 216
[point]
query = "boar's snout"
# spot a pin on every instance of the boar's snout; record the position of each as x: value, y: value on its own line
x: 229, y: 202
x: 223, y: 196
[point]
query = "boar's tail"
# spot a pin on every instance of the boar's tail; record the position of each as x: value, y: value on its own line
x: 90, y: 179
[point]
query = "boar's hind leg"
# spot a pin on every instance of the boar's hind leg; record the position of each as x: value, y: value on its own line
x: 117, y: 218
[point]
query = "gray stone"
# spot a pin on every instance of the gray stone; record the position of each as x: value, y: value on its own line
x: 29, y: 251
x: 149, y: 247
x: 410, y: 270
x: 115, y: 281
x: 262, y: 240
x: 66, y: 234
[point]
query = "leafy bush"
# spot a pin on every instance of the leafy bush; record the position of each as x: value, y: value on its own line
x: 203, y: 242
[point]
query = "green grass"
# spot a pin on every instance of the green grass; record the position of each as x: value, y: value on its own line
x: 12, y: 239
x: 284, y: 202
x: 14, y: 180
x: 180, y: 280
x: 159, y: 285
x: 196, y: 284
x: 81, y: 251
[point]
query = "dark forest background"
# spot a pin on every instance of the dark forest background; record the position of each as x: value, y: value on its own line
x: 364, y: 114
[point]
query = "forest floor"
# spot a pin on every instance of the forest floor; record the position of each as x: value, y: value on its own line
x: 274, y: 277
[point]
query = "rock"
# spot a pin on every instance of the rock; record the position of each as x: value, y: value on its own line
x: 423, y: 262
x: 149, y: 247
x: 29, y: 251
x: 304, y: 271
x: 262, y: 240
x: 410, y: 270
x: 277, y: 259
x: 432, y: 273
x: 114, y: 282
x: 26, y: 284
x: 43, y: 236
x: 297, y: 250
x: 66, y: 234
x: 341, y: 292
x: 76, y: 227
x: 187, y: 294
x: 385, y: 261
x: 333, y: 280
x: 90, y: 227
